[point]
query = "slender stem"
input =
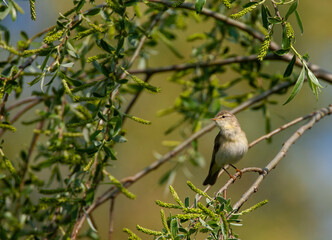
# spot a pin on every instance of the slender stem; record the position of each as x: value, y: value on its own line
x: 20, y: 113
x: 31, y: 148
x: 137, y: 52
x: 319, y: 72
x: 283, y: 127
x: 21, y: 102
x: 111, y: 219
x: 282, y: 153
x: 3, y: 104
x: 134, y: 99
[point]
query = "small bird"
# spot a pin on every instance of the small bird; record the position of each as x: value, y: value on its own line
x: 230, y: 145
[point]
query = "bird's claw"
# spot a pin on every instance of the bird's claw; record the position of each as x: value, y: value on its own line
x: 240, y: 172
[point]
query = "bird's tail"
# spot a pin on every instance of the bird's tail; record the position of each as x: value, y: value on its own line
x: 211, y: 178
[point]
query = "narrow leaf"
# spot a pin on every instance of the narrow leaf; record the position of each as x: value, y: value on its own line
x: 282, y: 52
x: 264, y: 17
x: 285, y: 44
x: 199, y: 5
x: 299, y: 22
x: 291, y: 9
x: 313, y: 78
x: 290, y: 67
x: 297, y: 86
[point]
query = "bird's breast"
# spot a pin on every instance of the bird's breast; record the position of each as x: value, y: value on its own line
x: 231, y: 151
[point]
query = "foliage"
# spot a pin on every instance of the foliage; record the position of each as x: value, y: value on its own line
x: 213, y: 219
x: 81, y: 72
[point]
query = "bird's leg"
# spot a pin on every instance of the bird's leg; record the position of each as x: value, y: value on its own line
x: 234, y: 178
x: 238, y: 170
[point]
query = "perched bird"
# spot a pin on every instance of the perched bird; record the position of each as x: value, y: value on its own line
x: 230, y: 145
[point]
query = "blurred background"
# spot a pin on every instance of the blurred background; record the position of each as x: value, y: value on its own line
x: 298, y: 190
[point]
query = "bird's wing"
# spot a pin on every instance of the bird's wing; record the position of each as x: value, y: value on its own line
x: 214, y: 168
x: 217, y: 143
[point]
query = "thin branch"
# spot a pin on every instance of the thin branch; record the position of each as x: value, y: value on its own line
x: 282, y: 153
x: 21, y: 102
x: 134, y: 99
x: 111, y: 221
x: 236, y: 175
x: 319, y: 72
x: 31, y: 148
x: 231, y: 180
x: 3, y: 104
x: 20, y: 113
x: 137, y: 52
x: 26, y: 64
x: 283, y: 127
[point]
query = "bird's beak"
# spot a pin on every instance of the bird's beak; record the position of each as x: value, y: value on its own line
x: 213, y: 119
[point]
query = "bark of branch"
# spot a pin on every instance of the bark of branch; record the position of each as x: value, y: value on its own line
x: 282, y: 153
x: 318, y: 71
x: 111, y: 217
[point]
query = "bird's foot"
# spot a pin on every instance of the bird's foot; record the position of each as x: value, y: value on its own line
x: 239, y: 171
x: 233, y: 177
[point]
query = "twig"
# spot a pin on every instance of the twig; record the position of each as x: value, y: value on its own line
x: 231, y: 180
x: 20, y: 113
x: 237, y: 174
x: 319, y: 72
x: 137, y: 51
x: 281, y: 154
x: 31, y: 148
x: 133, y: 100
x: 283, y: 127
x: 23, y: 101
x: 3, y: 104
x: 111, y: 217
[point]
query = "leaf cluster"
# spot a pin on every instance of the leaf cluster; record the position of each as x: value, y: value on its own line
x: 213, y: 220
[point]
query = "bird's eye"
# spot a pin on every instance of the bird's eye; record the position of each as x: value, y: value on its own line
x: 223, y: 116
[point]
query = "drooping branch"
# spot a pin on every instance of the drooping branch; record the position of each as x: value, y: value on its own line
x: 282, y: 153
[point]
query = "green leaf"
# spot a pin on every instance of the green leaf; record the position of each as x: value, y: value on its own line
x: 274, y: 20
x: 264, y: 17
x: 199, y: 5
x: 104, y: 45
x: 290, y: 67
x: 297, y: 86
x: 186, y: 202
x: 80, y: 5
x: 282, y: 52
x: 110, y: 152
x: 313, y: 78
x: 119, y: 139
x: 299, y: 22
x: 37, y: 79
x: 174, y: 227
x: 90, y: 194
x: 291, y: 9
x: 285, y: 44
x: 92, y: 11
